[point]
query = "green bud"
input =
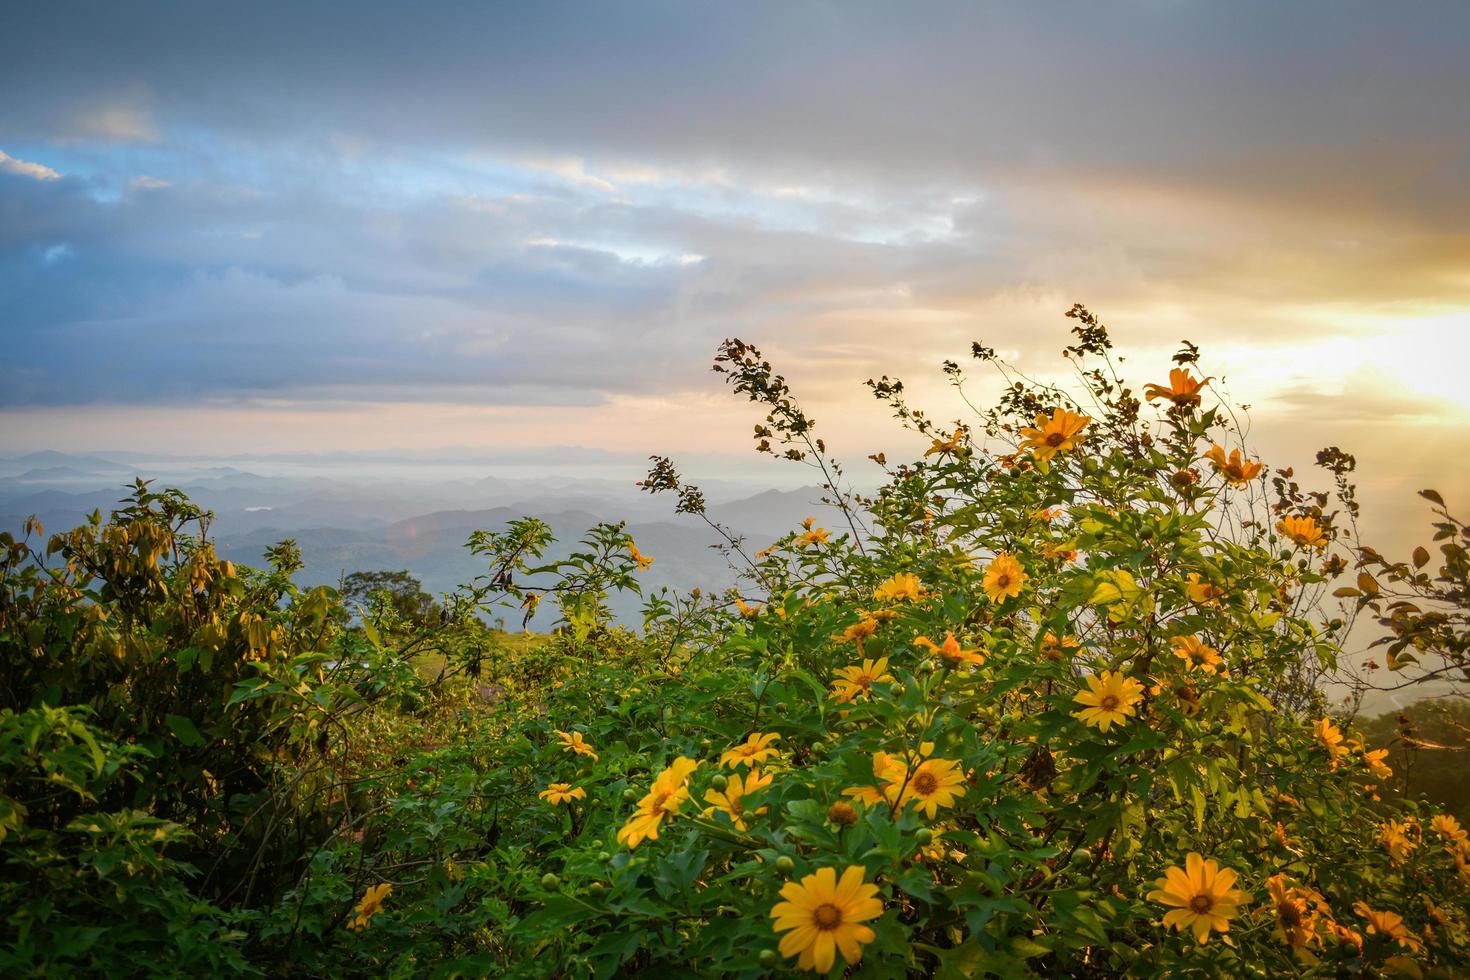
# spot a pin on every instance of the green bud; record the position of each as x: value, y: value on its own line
x: 596, y: 889
x: 781, y: 708
x: 719, y: 782
x: 1081, y: 858
x: 767, y: 958
x: 923, y: 837
x: 550, y: 882
x: 630, y: 795
x: 604, y: 857
x: 785, y: 865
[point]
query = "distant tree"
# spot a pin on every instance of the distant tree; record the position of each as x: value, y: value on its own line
x: 399, y: 592
x: 1427, y: 743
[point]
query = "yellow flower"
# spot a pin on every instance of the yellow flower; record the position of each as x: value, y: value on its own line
x: 755, y: 749
x: 1201, y: 895
x: 1061, y: 432
x: 933, y: 784
x: 822, y: 914
x: 562, y: 793
x: 1331, y: 738
x: 1295, y: 923
x: 1373, y: 759
x: 814, y: 537
x: 1237, y: 471
x: 731, y: 802
x: 1202, y: 592
x: 1109, y: 699
x: 643, y: 560
x: 1449, y: 830
x: 531, y: 601
x: 1390, y: 925
x: 1183, y: 389
x: 1396, y: 838
x: 854, y: 682
x: 371, y: 905
x: 1305, y: 531
x: 1004, y: 577
x: 858, y: 631
x: 669, y: 792
x: 888, y: 771
x: 902, y: 587
x: 842, y: 813
x: 1054, y: 648
x: 1195, y: 654
x: 573, y: 742
x: 949, y: 444
x: 950, y: 650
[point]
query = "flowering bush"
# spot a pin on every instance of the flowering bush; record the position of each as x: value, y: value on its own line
x: 1048, y: 703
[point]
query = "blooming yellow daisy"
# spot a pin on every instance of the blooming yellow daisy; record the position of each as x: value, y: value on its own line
x: 1295, y: 923
x: 731, y: 801
x: 823, y: 914
x: 1004, y: 577
x: 1195, y: 654
x: 950, y: 650
x: 933, y: 784
x: 562, y: 793
x: 1373, y: 759
x: 814, y: 537
x: 669, y: 792
x: 1397, y: 838
x: 857, y: 681
x: 1202, y: 592
x: 1449, y: 829
x: 639, y: 557
x: 949, y: 444
x: 1201, y: 895
x: 1237, y: 471
x: 1109, y: 700
x: 1305, y: 531
x: 903, y: 587
x: 1183, y: 389
x: 755, y: 749
x: 1389, y: 925
x: 574, y: 743
x: 370, y: 905
x: 1330, y: 736
x: 1057, y: 434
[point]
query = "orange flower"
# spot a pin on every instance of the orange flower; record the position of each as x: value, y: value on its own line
x: 562, y: 793
x: 950, y: 650
x: 1109, y: 700
x: 639, y: 557
x: 1200, y: 895
x: 1373, y: 759
x: 903, y: 587
x: 1061, y: 432
x: 950, y: 444
x: 1236, y: 470
x: 1054, y: 648
x: 1396, y: 836
x: 1183, y: 389
x: 1004, y: 577
x: 1295, y: 923
x: 574, y: 743
x: 1305, y: 531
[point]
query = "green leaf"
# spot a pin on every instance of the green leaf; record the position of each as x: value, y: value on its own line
x: 184, y: 730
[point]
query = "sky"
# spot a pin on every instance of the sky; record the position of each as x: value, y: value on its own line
x: 280, y: 227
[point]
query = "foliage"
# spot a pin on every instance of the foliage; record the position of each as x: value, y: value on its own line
x: 1049, y: 702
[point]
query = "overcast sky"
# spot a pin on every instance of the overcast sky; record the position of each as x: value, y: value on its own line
x: 289, y: 226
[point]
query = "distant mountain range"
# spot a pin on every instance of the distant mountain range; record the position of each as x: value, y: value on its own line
x: 354, y: 523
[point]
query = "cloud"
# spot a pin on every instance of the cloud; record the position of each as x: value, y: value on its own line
x: 23, y: 168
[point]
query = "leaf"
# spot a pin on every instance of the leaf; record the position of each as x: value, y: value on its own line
x: 1432, y: 495
x: 1367, y: 583
x: 1421, y: 556
x: 184, y: 730
x: 1346, y: 592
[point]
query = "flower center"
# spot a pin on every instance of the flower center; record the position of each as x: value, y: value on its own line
x: 1055, y: 439
x: 1290, y: 915
x: 925, y: 783
x: 827, y: 917
x: 659, y: 802
x: 1002, y: 580
x: 1109, y: 702
x: 1201, y: 904
x: 736, y: 807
